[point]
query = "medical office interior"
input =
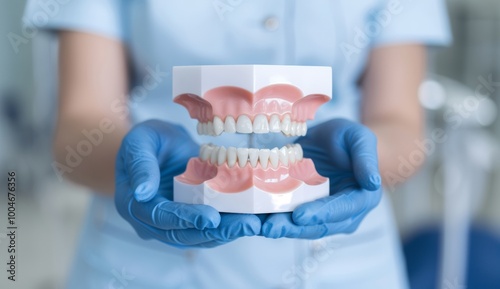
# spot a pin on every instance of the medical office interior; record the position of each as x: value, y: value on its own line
x: 448, y: 214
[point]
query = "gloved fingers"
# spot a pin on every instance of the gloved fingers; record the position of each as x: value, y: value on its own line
x: 263, y: 217
x: 164, y: 214
x: 336, y: 208
x: 325, y: 144
x: 123, y: 194
x: 215, y: 243
x: 231, y: 227
x: 212, y: 244
x: 174, y: 141
x: 141, y: 230
x: 348, y: 146
x: 361, y: 143
x: 277, y: 225
x: 282, y: 226
x: 138, y: 156
x: 209, y: 244
x: 147, y: 233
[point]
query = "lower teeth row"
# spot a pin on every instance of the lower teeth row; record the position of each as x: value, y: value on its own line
x: 219, y: 155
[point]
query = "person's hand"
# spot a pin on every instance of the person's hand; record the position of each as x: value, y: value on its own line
x: 345, y: 152
x: 151, y: 154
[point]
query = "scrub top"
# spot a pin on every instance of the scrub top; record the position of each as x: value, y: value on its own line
x: 160, y: 34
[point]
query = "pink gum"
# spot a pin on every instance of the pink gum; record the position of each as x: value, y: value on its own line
x: 273, y: 99
x: 236, y: 179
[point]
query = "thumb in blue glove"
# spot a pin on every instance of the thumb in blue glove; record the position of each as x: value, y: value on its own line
x: 345, y: 152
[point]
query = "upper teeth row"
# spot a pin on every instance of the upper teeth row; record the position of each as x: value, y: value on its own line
x: 288, y: 154
x: 261, y: 124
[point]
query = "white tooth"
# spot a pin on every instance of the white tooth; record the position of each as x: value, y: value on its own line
x: 274, y: 158
x: 283, y: 155
x: 221, y: 158
x: 204, y: 128
x: 253, y: 157
x: 303, y: 129
x: 286, y: 124
x: 260, y: 124
x: 218, y: 125
x: 291, y: 154
x: 229, y: 124
x: 242, y: 156
x: 210, y: 128
x: 298, y: 152
x: 274, y: 123
x: 203, y: 152
x: 244, y: 124
x: 264, y: 157
x: 202, y: 149
x: 297, y: 129
x: 231, y: 156
x: 207, y: 128
x: 293, y: 128
x: 214, y: 155
x: 199, y: 128
x: 300, y: 128
x: 208, y: 152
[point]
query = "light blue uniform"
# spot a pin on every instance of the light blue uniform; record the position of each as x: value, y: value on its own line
x: 161, y: 34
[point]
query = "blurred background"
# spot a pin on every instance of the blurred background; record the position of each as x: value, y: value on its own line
x: 448, y: 214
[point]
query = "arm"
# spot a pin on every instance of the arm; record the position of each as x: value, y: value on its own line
x: 92, y: 79
x: 390, y: 102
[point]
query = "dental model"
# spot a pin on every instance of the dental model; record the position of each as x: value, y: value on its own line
x: 248, y: 99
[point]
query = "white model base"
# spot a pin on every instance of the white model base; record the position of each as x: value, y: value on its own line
x: 250, y: 201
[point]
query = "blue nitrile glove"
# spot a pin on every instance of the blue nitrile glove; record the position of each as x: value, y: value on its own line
x: 151, y: 154
x: 345, y: 152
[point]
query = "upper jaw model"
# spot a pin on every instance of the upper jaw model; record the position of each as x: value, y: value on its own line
x: 251, y: 99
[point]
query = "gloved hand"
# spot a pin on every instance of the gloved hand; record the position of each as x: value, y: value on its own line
x: 345, y: 152
x: 151, y: 154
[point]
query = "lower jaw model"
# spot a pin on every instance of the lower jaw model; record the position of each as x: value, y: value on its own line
x: 251, y: 99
